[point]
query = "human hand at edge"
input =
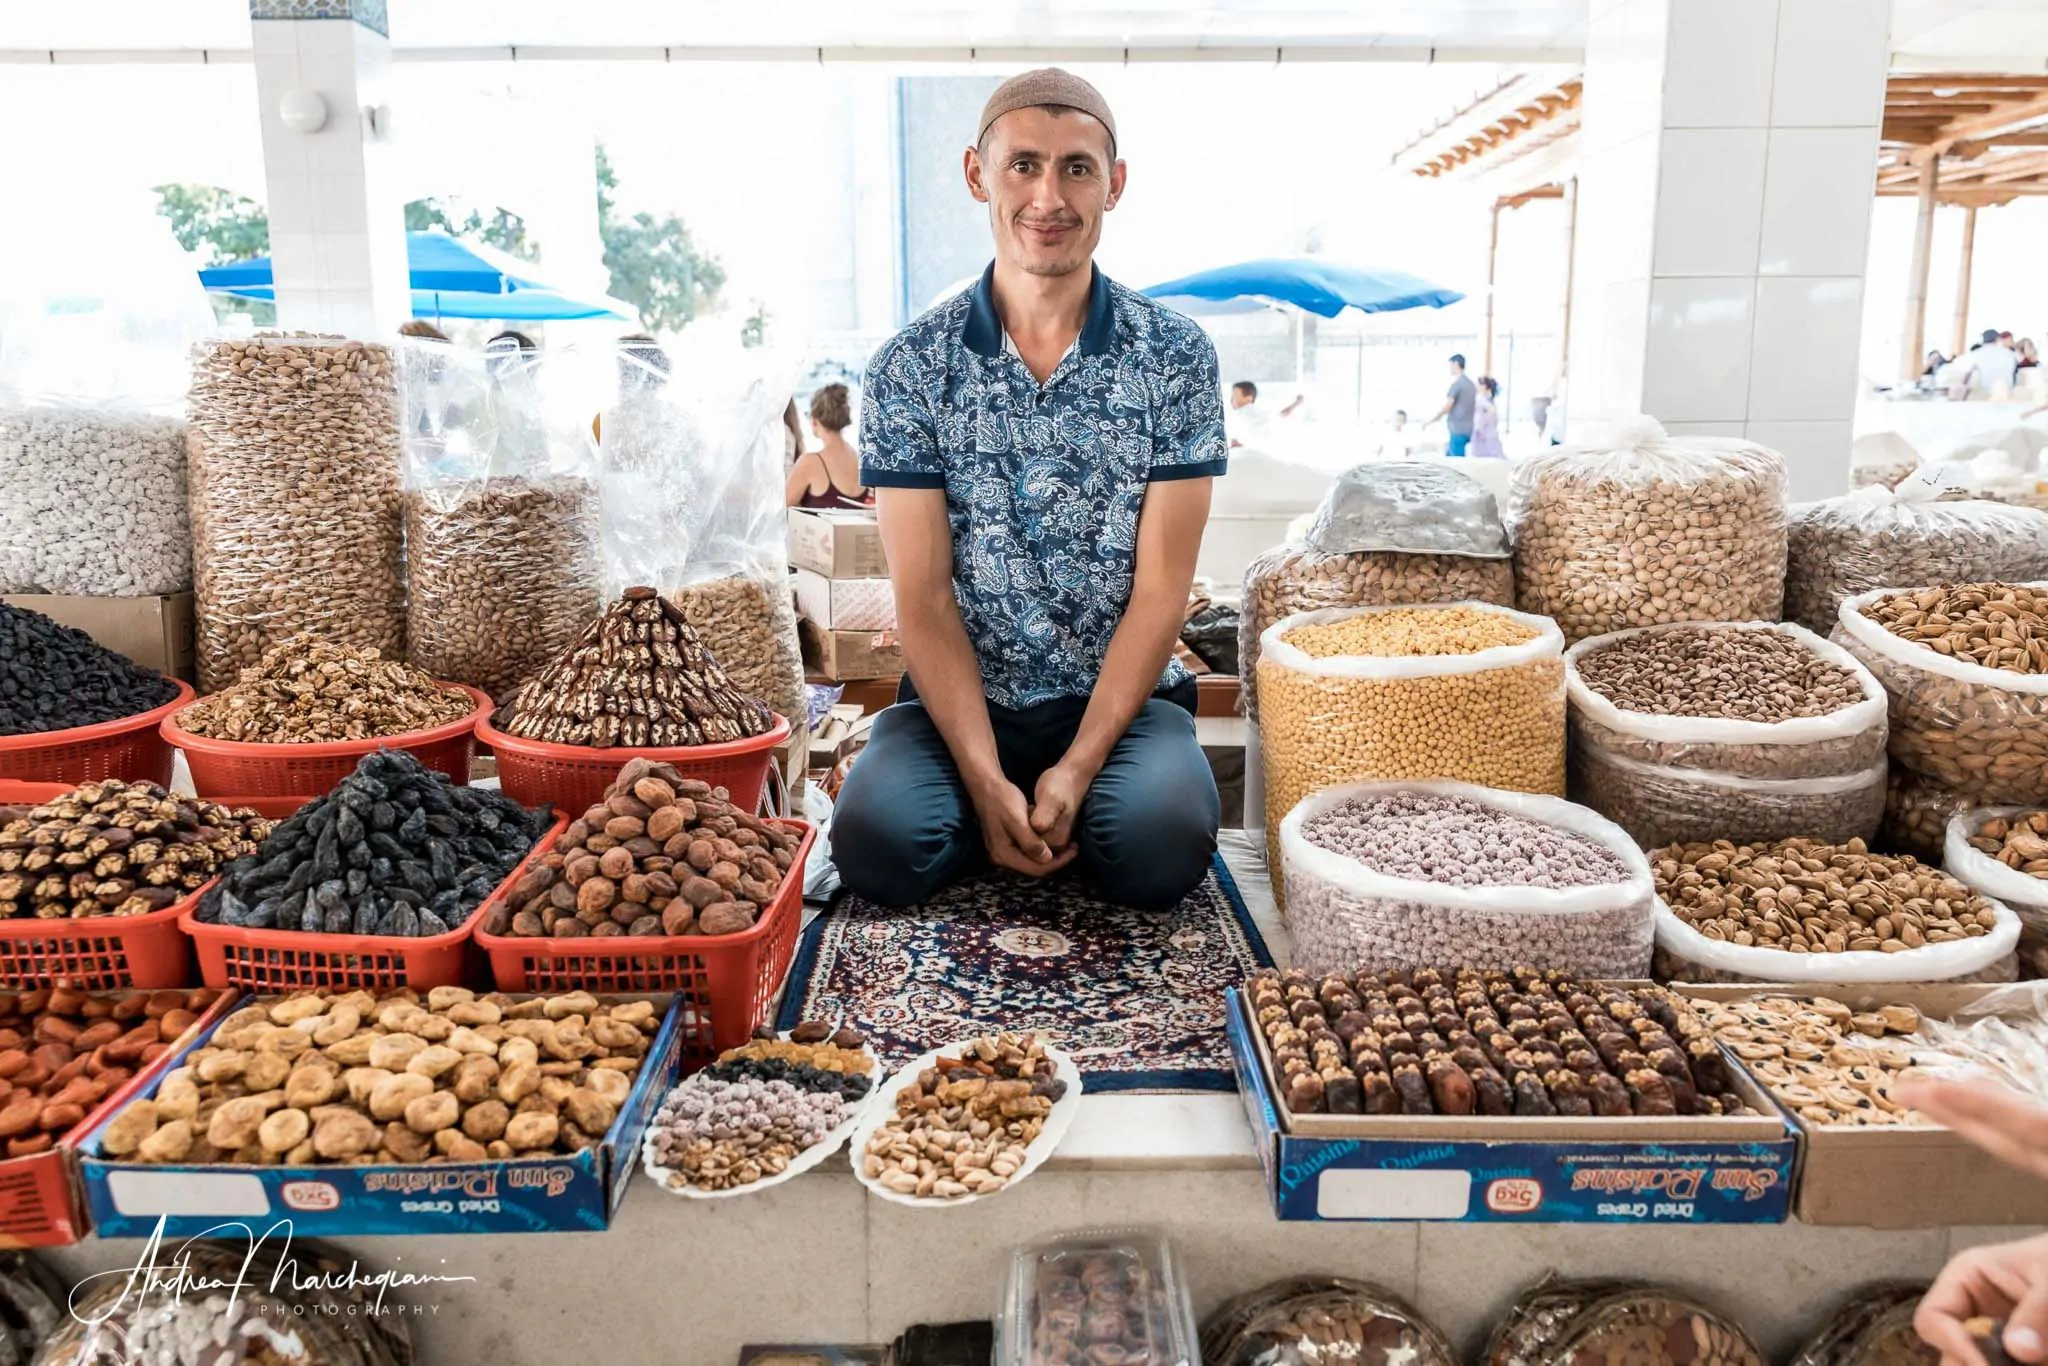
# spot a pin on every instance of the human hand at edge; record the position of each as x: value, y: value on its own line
x: 1993, y: 1116
x: 2007, y: 1281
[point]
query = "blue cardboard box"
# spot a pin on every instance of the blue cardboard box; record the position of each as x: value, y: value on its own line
x: 573, y: 1193
x: 1727, y: 1170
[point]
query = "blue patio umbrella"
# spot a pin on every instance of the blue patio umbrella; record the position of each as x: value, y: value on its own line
x: 450, y: 279
x: 1324, y: 288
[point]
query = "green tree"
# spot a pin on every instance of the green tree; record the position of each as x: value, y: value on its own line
x: 219, y: 226
x: 754, y: 331
x: 655, y: 264
x: 502, y: 228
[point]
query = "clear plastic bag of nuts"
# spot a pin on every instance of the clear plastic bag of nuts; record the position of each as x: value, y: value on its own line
x: 93, y: 343
x: 1978, y: 730
x: 1917, y: 810
x: 1659, y: 804
x: 501, y: 518
x: 1920, y: 533
x: 2025, y: 894
x: 1344, y: 916
x: 1493, y: 716
x: 1103, y: 1296
x: 1639, y: 528
x: 1322, y: 1321
x: 293, y: 458
x: 1386, y: 532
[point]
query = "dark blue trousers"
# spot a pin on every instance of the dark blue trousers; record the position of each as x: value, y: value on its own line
x: 903, y: 826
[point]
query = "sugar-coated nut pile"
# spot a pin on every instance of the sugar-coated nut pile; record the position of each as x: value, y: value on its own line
x: 395, y: 849
x: 660, y: 855
x: 2000, y: 626
x: 1601, y: 551
x: 293, y: 446
x: 2020, y: 842
x: 759, y: 1107
x: 57, y: 678
x: 1831, y: 1065
x: 115, y: 848
x: 307, y: 691
x: 64, y: 1051
x: 1501, y: 727
x: 92, y: 503
x: 1462, y: 1042
x: 639, y: 676
x: 333, y: 1077
x: 750, y: 629
x: 501, y: 576
x: 1735, y: 675
x: 1294, y: 579
x: 1842, y: 547
x: 1802, y: 896
x: 1455, y: 842
x: 965, y: 1125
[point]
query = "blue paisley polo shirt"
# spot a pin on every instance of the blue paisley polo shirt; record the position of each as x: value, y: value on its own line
x: 1043, y: 484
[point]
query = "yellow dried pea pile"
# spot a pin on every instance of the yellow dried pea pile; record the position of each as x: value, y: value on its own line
x: 355, y: 1078
x: 1333, y: 719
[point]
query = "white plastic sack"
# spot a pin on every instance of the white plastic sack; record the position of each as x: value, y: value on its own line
x: 2026, y: 894
x: 1848, y: 741
x: 1981, y: 731
x: 1346, y: 918
x: 1686, y: 955
x: 1661, y: 805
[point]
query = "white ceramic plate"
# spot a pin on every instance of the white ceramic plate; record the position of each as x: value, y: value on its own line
x: 882, y: 1105
x: 798, y: 1165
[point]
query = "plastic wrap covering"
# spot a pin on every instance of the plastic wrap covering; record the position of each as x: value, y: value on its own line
x: 692, y: 487
x: 1069, y: 1299
x: 1345, y: 916
x: 93, y: 343
x: 1846, y: 741
x: 1658, y: 804
x: 1876, y: 538
x: 1686, y: 955
x: 1875, y: 1328
x: 296, y: 516
x: 1539, y: 1318
x: 1917, y: 811
x: 1493, y: 716
x: 1384, y: 534
x: 1640, y: 529
x: 1978, y: 730
x: 501, y: 519
x: 1639, y: 1324
x: 1322, y: 1321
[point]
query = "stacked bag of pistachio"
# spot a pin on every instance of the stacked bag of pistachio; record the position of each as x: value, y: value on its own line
x: 1386, y: 534
x: 501, y: 519
x: 1468, y: 692
x: 1637, y: 528
x: 1726, y: 730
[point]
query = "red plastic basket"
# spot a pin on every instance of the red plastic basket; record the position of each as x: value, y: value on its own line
x: 312, y: 770
x: 268, y: 961
x: 131, y: 749
x: 574, y: 777
x: 727, y: 980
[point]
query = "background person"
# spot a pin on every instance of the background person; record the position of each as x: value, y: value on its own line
x: 829, y: 477
x: 1486, y: 421
x: 1460, y: 403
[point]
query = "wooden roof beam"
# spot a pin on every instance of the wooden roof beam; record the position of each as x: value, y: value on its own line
x: 2008, y: 118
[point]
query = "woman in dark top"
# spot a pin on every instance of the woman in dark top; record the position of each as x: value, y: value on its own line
x: 829, y: 477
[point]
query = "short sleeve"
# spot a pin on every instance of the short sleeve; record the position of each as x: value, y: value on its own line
x: 899, y: 442
x: 1188, y: 440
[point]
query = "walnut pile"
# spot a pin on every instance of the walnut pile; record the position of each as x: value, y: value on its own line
x: 307, y: 691
x: 638, y: 676
x: 319, y: 1077
x: 115, y: 848
x: 660, y: 855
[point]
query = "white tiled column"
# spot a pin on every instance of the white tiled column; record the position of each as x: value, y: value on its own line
x: 1728, y: 153
x: 337, y: 225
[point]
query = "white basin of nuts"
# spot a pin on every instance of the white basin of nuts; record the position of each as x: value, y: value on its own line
x: 956, y: 1148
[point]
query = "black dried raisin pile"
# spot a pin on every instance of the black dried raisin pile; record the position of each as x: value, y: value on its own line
x: 56, y: 678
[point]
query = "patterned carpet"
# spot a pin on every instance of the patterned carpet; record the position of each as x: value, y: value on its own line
x: 1137, y: 998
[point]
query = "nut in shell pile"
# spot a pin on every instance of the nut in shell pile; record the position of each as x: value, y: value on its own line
x: 2019, y: 842
x: 92, y: 503
x: 63, y: 1051
x: 1828, y: 1064
x: 639, y: 675
x: 965, y: 1125
x: 115, y: 848
x: 305, y: 690
x: 759, y: 1107
x: 660, y: 855
x: 351, y: 1077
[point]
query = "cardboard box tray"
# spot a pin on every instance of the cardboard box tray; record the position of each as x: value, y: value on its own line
x: 1905, y: 1176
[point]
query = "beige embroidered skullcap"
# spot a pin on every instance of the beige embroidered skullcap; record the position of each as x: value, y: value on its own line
x: 1047, y: 86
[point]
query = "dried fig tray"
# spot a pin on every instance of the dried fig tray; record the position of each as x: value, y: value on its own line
x: 1055, y: 1119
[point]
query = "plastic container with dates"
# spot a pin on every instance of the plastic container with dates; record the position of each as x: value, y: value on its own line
x: 1109, y: 1295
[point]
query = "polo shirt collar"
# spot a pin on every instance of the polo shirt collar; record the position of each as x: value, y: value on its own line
x: 983, y: 333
